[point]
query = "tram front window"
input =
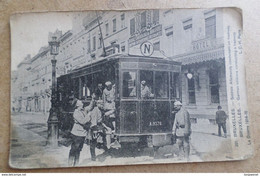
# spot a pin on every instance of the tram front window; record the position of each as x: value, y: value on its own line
x: 129, y: 84
x: 161, y: 84
x: 147, y: 88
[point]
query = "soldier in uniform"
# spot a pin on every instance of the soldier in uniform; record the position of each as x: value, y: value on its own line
x: 221, y: 118
x: 99, y: 92
x: 182, y: 129
x: 78, y: 133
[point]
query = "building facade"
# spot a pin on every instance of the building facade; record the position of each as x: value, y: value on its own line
x: 193, y: 37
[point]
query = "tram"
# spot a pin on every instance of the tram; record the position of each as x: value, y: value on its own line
x: 139, y: 119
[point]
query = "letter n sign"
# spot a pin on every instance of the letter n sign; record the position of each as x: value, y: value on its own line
x: 146, y: 49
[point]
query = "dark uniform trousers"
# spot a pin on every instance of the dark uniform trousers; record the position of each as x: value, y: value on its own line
x: 76, y: 147
x: 183, y: 143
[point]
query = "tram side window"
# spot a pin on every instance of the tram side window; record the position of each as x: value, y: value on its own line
x: 129, y: 84
x: 147, y: 88
x: 161, y: 84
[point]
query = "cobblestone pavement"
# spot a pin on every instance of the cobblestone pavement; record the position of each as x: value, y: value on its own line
x: 29, y: 149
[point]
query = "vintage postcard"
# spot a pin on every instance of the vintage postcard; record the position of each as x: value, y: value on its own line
x: 99, y: 88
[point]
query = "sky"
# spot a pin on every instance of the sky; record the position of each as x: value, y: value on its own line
x: 29, y: 32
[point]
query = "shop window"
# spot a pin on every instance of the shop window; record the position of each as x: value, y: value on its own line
x: 114, y: 25
x: 147, y: 89
x: 174, y: 86
x: 129, y: 84
x: 191, y: 91
x: 143, y: 20
x: 210, y: 27
x: 214, y: 86
x: 132, y: 26
x: 161, y: 84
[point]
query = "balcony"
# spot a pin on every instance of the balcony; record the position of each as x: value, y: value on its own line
x: 207, y: 44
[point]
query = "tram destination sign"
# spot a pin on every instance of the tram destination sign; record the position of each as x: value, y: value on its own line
x: 146, y: 48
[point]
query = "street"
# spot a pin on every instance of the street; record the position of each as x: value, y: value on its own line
x: 29, y: 149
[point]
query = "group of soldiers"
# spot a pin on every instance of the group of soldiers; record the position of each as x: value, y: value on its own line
x: 94, y: 122
x: 97, y: 122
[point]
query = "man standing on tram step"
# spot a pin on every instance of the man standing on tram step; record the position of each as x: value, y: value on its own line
x: 221, y: 118
x: 78, y: 133
x: 182, y: 130
x: 99, y: 91
x: 109, y: 103
x: 109, y: 107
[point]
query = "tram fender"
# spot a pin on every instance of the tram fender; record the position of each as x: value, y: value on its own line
x: 161, y: 139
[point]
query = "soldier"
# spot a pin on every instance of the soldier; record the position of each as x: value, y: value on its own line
x: 182, y: 129
x: 145, y: 91
x: 99, y: 91
x: 221, y: 118
x: 78, y: 133
x: 96, y: 121
x: 109, y: 102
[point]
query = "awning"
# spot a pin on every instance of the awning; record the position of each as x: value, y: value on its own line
x: 201, y: 56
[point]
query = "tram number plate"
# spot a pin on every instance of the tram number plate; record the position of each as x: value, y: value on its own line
x: 156, y: 123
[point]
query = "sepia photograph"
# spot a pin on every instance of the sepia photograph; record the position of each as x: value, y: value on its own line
x: 98, y: 88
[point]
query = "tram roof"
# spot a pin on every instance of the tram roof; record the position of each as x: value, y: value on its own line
x: 126, y: 58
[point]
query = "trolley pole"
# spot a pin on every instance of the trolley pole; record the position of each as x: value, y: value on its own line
x: 53, y: 122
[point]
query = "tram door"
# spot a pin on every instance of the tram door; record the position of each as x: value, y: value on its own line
x: 154, y: 104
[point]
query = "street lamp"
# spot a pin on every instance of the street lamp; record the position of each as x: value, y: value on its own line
x: 53, y: 129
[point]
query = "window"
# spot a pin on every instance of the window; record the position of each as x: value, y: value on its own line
x: 187, y: 24
x: 132, y: 26
x: 94, y: 43
x: 123, y: 20
x: 155, y: 16
x: 161, y: 84
x: 169, y: 31
x: 174, y: 87
x: 122, y: 48
x: 210, y: 27
x: 107, y: 29
x: 214, y: 86
x: 114, y: 25
x: 147, y: 89
x: 156, y: 46
x: 143, y: 20
x: 129, y: 84
x: 89, y: 47
x: 191, y: 91
x: 100, y: 41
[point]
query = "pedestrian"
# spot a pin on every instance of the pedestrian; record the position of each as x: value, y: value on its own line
x: 78, y: 133
x: 221, y: 118
x: 182, y: 129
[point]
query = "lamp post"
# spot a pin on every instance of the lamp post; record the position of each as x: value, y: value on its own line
x: 53, y: 129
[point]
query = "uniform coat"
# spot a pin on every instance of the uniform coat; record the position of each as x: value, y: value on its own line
x: 80, y: 118
x: 182, y: 124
